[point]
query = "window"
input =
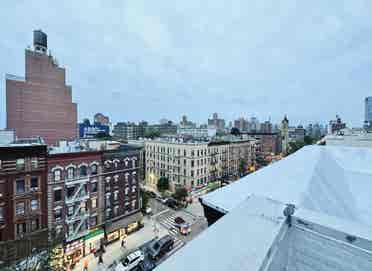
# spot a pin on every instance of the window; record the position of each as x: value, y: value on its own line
x: 108, y: 211
x: 70, y: 173
x: 1, y: 165
x: 192, y: 173
x: 133, y: 204
x: 126, y: 191
x: 20, y: 186
x: 116, y: 210
x: 57, y: 195
x: 94, y: 169
x: 34, y: 183
x: 94, y: 203
x: 21, y: 228
x: 58, y: 214
x: 108, y: 202
x: 116, y: 178
x: 94, y: 187
x: 70, y: 210
x: 34, y: 205
x: 34, y: 162
x: 93, y: 221
x: 116, y: 195
x: 2, y: 214
x: 83, y: 171
x: 192, y: 163
x: 57, y: 175
x: 108, y: 179
x: 70, y: 191
x: 20, y: 208
x: 20, y: 164
x: 34, y: 224
x: 134, y: 189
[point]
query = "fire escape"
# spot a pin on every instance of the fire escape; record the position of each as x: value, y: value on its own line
x: 76, y: 198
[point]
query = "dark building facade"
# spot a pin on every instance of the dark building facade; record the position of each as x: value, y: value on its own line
x: 128, y: 130
x: 23, y: 200
x: 40, y: 104
x: 267, y: 143
x: 121, y: 192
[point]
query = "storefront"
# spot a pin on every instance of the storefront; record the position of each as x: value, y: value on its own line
x: 74, y: 251
x: 57, y: 261
x: 119, y: 230
x: 93, y: 240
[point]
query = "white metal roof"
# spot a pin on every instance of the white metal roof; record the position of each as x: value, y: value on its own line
x: 333, y: 180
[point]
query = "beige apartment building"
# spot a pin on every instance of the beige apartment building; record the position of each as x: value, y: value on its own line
x: 193, y: 164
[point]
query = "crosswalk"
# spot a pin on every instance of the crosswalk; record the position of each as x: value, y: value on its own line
x: 167, y: 221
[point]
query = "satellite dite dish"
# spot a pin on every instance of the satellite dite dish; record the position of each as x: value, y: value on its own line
x: 288, y: 212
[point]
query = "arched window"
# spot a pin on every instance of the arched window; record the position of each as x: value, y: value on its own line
x: 57, y: 175
x: 70, y: 173
x: 94, y: 169
x: 83, y: 171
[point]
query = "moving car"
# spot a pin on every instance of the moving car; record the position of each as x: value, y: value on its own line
x: 182, y: 225
x: 159, y: 247
x: 133, y: 260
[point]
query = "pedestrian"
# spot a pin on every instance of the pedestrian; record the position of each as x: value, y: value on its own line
x: 100, y: 259
x: 123, y: 243
x: 85, y: 265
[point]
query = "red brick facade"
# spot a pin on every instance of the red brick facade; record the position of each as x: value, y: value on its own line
x: 41, y: 105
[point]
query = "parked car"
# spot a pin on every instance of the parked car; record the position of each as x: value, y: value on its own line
x: 183, y: 227
x: 159, y: 247
x: 133, y: 260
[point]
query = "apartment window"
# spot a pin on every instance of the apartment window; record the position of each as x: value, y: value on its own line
x: 2, y: 214
x: 134, y: 189
x: 83, y: 171
x: 116, y: 195
x: 184, y: 152
x: 20, y: 186
x: 94, y: 187
x: 20, y: 208
x: 116, y: 210
x: 57, y: 175
x: 94, y: 169
x: 34, y: 205
x: 192, y: 153
x: 34, y: 224
x: 20, y: 164
x: 108, y: 211
x: 34, y: 183
x: 34, y: 163
x: 133, y: 204
x: 70, y: 191
x: 58, y: 214
x: 21, y: 228
x: 108, y: 202
x: 108, y: 179
x: 93, y: 221
x: 70, y: 173
x: 57, y: 195
x: 94, y: 203
x: 192, y: 173
x: 116, y: 178
x: 70, y: 210
x: 192, y: 163
x: 126, y: 191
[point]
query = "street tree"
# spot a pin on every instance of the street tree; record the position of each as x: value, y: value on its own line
x: 180, y: 194
x: 163, y: 184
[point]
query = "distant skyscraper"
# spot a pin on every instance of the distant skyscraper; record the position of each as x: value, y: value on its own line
x: 215, y: 122
x: 41, y: 103
x: 368, y: 112
x: 285, y: 135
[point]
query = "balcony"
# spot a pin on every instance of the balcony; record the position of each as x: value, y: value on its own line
x: 76, y: 181
x: 77, y: 215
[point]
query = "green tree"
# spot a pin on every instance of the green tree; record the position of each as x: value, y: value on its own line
x: 243, y: 167
x: 145, y: 200
x: 180, y: 194
x: 163, y: 184
x: 152, y: 134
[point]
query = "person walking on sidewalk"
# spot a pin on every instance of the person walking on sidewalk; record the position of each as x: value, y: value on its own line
x: 123, y: 243
x: 100, y: 259
x: 85, y: 265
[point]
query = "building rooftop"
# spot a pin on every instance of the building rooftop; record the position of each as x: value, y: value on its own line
x: 330, y: 228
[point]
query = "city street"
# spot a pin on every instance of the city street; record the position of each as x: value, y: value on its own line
x: 155, y: 226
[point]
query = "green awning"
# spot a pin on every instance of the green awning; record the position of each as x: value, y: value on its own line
x: 94, y: 233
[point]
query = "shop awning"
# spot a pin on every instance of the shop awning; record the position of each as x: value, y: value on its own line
x: 122, y: 223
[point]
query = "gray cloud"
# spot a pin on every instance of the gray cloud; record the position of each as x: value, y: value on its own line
x: 144, y: 59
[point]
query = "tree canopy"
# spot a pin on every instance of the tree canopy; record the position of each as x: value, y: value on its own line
x: 163, y: 184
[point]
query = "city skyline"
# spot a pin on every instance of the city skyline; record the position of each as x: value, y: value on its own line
x: 172, y: 59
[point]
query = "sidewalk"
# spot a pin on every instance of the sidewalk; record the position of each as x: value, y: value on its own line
x: 114, y: 252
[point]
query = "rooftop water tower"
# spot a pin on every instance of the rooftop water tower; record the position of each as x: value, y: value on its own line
x: 40, y: 41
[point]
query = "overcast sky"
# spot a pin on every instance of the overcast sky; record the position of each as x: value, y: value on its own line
x: 137, y: 59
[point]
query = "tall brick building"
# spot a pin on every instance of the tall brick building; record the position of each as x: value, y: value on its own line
x: 41, y: 103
